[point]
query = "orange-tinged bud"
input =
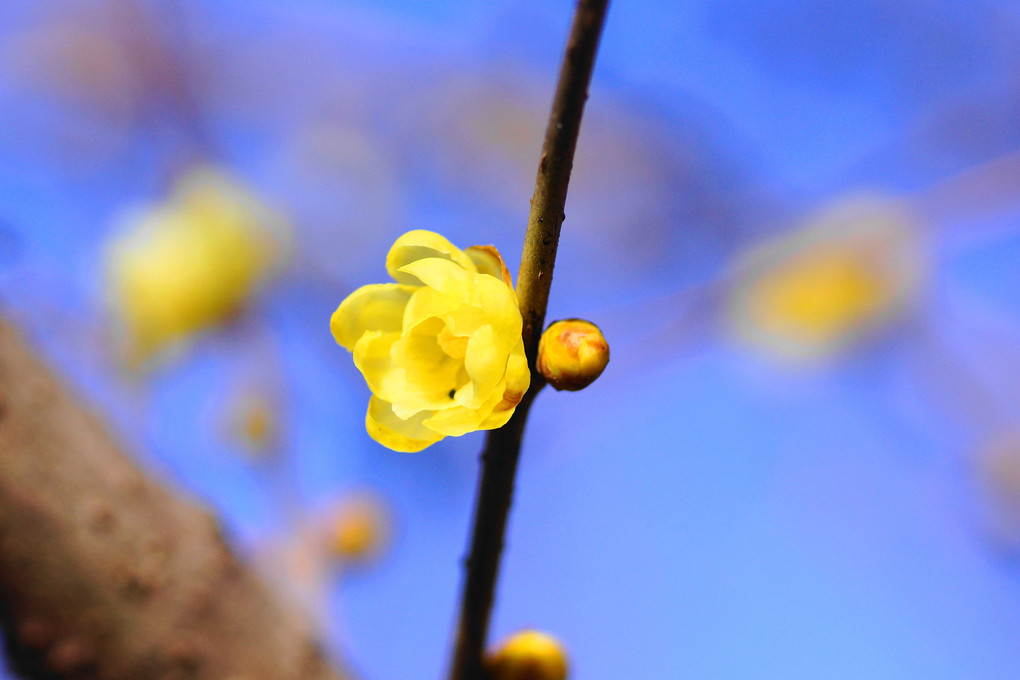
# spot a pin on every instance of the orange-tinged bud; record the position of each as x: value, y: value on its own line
x: 529, y: 655
x: 572, y: 353
x: 361, y: 528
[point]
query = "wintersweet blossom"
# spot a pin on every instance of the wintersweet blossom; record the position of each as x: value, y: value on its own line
x: 190, y: 263
x: 845, y: 272
x: 441, y: 348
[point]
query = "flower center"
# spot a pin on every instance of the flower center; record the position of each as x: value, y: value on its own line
x: 433, y: 358
x: 453, y: 345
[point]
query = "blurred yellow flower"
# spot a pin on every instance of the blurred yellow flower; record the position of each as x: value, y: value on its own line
x: 441, y: 348
x: 190, y: 263
x: 848, y: 270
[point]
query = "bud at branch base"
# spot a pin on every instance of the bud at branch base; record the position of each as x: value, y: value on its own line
x: 528, y: 655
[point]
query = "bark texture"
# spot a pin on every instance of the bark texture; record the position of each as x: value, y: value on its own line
x: 105, y: 573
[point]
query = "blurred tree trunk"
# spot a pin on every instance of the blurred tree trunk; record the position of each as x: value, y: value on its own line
x: 105, y: 573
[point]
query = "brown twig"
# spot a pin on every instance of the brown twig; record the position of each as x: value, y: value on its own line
x: 502, y: 446
x: 104, y: 573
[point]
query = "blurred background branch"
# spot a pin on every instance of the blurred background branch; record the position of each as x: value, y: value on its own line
x: 106, y: 573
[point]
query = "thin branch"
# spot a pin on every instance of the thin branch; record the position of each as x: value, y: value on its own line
x: 502, y: 446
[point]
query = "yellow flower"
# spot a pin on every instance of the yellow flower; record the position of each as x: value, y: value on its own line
x: 441, y: 348
x: 190, y: 263
x: 847, y: 271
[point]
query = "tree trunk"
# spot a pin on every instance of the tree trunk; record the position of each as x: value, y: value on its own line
x: 105, y: 573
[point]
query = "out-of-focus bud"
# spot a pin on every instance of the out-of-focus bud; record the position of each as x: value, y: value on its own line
x: 255, y: 423
x: 998, y: 482
x: 572, y: 353
x: 360, y: 528
x: 528, y: 655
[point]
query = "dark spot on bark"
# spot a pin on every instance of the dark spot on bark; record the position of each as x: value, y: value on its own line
x: 186, y: 657
x: 312, y: 660
x: 98, y: 515
x: 70, y: 656
x: 36, y: 633
x: 135, y: 587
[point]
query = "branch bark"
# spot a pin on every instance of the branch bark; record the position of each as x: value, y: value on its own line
x: 503, y: 446
x: 104, y: 573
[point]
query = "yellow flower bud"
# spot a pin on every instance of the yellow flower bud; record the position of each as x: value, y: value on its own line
x: 572, y: 353
x: 529, y: 655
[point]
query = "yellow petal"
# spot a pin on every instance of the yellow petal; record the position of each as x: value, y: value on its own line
x: 378, y: 307
x: 420, y: 244
x: 485, y: 361
x: 427, y: 303
x: 396, y: 433
x: 499, y: 304
x: 455, y: 421
x: 465, y: 320
x: 373, y: 357
x: 488, y: 261
x: 445, y: 276
x: 518, y: 380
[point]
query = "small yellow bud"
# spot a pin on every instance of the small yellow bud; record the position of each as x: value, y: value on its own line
x: 529, y: 655
x: 361, y: 528
x: 572, y: 353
